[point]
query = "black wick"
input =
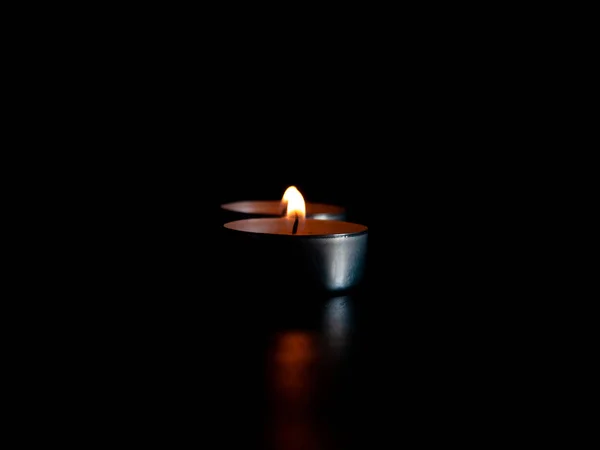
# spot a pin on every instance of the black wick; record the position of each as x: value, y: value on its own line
x: 295, y: 227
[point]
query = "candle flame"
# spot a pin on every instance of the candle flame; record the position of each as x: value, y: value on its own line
x: 295, y: 203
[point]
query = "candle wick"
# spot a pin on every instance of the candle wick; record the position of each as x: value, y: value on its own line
x: 295, y: 227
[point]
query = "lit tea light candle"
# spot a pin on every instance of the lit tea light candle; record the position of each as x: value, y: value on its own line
x: 297, y: 251
x: 277, y: 208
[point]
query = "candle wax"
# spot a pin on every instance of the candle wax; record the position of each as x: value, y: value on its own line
x: 284, y: 225
x: 274, y: 208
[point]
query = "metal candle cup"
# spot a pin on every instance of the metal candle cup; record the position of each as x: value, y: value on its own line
x: 322, y: 254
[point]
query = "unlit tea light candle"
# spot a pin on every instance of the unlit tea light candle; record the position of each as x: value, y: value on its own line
x: 299, y: 251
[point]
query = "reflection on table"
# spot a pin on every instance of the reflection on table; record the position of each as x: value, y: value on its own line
x: 302, y: 366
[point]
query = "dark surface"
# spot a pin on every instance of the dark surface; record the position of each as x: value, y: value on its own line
x: 162, y: 344
x: 291, y: 376
x: 184, y: 352
x: 178, y: 348
x: 417, y: 359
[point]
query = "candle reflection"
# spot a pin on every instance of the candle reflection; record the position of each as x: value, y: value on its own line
x: 337, y: 320
x: 305, y: 370
x: 293, y: 380
x: 294, y: 359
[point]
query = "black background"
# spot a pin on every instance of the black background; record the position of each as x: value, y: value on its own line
x: 408, y: 137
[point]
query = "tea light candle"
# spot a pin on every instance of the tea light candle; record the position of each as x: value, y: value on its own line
x: 299, y: 252
x: 277, y: 208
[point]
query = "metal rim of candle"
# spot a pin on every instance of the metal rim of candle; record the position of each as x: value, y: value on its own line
x: 301, y: 236
x: 296, y: 236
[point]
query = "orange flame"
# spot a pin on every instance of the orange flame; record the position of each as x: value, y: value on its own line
x: 295, y: 203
